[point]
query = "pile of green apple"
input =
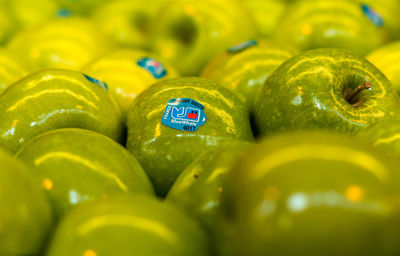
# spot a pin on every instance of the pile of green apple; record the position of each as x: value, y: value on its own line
x: 201, y: 128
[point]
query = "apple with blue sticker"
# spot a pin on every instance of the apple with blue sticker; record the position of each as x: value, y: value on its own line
x: 85, y: 78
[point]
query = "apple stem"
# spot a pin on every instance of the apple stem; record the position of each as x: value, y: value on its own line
x: 351, y: 94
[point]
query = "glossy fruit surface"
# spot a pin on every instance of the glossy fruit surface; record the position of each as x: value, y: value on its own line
x: 64, y: 43
x: 387, y: 59
x: 311, y: 24
x: 76, y: 165
x: 384, y: 135
x: 128, y: 72
x: 11, y: 71
x: 128, y: 225
x: 311, y: 193
x: 164, y: 152
x: 245, y: 70
x: 128, y: 22
x: 311, y: 91
x: 25, y: 216
x: 53, y: 99
x: 198, y: 188
x: 189, y: 33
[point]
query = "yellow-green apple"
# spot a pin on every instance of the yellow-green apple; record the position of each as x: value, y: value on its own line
x: 128, y: 72
x: 128, y: 225
x: 174, y: 121
x: 25, y: 216
x: 190, y: 33
x: 64, y: 43
x: 331, y: 89
x: 76, y: 165
x: 311, y: 193
x: 53, y: 99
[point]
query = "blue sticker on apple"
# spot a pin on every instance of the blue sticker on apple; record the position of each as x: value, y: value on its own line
x: 372, y: 15
x: 156, y: 69
x: 242, y: 46
x: 184, y: 114
x: 97, y: 82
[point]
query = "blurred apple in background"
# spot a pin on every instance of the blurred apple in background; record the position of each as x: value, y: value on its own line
x: 10, y: 70
x: 53, y: 99
x: 80, y: 7
x: 75, y: 165
x: 387, y: 59
x: 311, y: 193
x: 64, y: 43
x: 127, y: 21
x: 128, y: 225
x: 267, y: 14
x: 128, y: 72
x: 190, y: 33
x: 324, y: 89
x: 8, y: 25
x: 311, y: 24
x: 198, y: 188
x: 388, y: 11
x: 28, y: 13
x: 173, y: 122
x: 25, y: 216
x: 244, y: 68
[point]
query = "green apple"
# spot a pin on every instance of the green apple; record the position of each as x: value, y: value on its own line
x: 311, y: 193
x: 7, y: 25
x: 80, y: 7
x: 64, y: 43
x: 128, y: 72
x: 25, y: 216
x: 267, y: 14
x: 198, y: 188
x: 190, y: 33
x: 324, y: 89
x: 311, y: 24
x: 75, y: 165
x: 128, y: 22
x: 384, y: 135
x: 173, y: 122
x: 388, y: 11
x: 53, y: 99
x: 10, y: 70
x: 128, y: 225
x: 244, y: 68
x: 29, y: 13
x: 387, y: 59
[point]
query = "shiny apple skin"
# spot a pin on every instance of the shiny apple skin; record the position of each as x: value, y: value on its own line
x: 25, y: 216
x: 128, y: 225
x: 164, y: 152
x: 53, y: 99
x: 311, y: 193
x: 76, y: 165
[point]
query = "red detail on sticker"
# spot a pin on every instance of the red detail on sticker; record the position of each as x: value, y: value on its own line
x: 192, y: 116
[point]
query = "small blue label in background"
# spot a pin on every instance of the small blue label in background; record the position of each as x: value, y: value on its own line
x: 184, y: 114
x: 62, y: 13
x: 242, y: 46
x: 156, y: 69
x: 372, y: 15
x: 95, y: 81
